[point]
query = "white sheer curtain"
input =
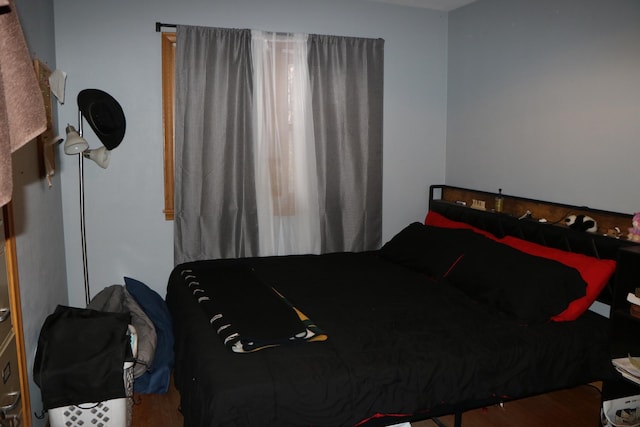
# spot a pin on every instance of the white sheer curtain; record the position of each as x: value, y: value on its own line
x: 285, y: 158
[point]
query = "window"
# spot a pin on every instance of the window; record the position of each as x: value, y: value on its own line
x: 281, y: 94
x: 276, y: 165
x: 281, y: 158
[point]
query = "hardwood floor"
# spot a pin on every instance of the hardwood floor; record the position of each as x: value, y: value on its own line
x: 157, y: 410
x: 577, y: 407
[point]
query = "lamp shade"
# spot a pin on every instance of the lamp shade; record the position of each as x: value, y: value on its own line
x: 99, y: 155
x: 74, y: 144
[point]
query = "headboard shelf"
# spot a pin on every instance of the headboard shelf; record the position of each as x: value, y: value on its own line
x: 455, y: 203
x: 553, y: 213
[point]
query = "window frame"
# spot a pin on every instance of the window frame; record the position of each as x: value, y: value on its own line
x: 168, y: 114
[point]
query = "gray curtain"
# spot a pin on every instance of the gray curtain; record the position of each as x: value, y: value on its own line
x: 215, y: 211
x: 215, y: 202
x: 347, y: 94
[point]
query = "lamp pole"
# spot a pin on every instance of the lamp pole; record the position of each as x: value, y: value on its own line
x: 108, y: 121
x: 83, y: 235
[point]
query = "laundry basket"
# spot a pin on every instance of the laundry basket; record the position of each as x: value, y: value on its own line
x: 110, y: 413
x: 623, y: 412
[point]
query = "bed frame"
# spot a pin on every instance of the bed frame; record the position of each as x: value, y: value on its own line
x: 520, y: 218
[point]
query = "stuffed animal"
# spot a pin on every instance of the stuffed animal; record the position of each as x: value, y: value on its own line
x: 581, y: 223
x: 634, y: 231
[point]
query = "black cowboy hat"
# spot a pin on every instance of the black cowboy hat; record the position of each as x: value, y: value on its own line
x: 104, y: 114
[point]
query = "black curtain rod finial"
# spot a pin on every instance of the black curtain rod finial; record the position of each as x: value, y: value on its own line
x: 159, y: 26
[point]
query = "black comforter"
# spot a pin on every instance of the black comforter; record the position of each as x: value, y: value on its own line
x: 398, y: 344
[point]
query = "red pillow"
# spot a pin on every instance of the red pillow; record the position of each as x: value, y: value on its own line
x: 437, y: 220
x: 595, y: 272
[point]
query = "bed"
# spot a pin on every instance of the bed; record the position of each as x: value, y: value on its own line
x: 466, y: 309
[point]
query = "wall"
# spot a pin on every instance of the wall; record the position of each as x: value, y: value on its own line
x: 543, y: 100
x: 37, y: 210
x: 113, y: 46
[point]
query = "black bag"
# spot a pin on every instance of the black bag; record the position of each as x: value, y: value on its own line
x: 80, y: 356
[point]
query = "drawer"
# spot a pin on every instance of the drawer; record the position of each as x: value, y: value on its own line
x: 4, y: 277
x: 6, y: 330
x: 9, y: 378
x: 5, y: 315
x: 13, y: 417
x: 10, y: 399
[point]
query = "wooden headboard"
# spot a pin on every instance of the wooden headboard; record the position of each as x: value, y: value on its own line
x: 520, y: 217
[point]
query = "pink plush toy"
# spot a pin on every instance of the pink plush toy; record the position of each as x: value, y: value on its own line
x: 634, y: 232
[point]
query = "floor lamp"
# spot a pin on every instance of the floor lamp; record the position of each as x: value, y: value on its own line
x: 106, y: 118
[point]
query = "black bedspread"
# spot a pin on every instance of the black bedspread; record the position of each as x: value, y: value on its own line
x: 398, y: 343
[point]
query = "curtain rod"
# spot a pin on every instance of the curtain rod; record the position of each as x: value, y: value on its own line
x: 159, y: 26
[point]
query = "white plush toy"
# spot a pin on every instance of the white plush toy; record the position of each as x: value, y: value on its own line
x: 581, y: 223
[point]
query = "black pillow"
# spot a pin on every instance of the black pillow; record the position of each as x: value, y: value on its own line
x: 431, y: 250
x: 531, y: 288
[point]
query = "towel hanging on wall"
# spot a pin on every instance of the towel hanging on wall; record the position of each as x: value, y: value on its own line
x: 22, y: 113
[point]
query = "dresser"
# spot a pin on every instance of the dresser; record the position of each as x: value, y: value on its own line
x: 15, y: 409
